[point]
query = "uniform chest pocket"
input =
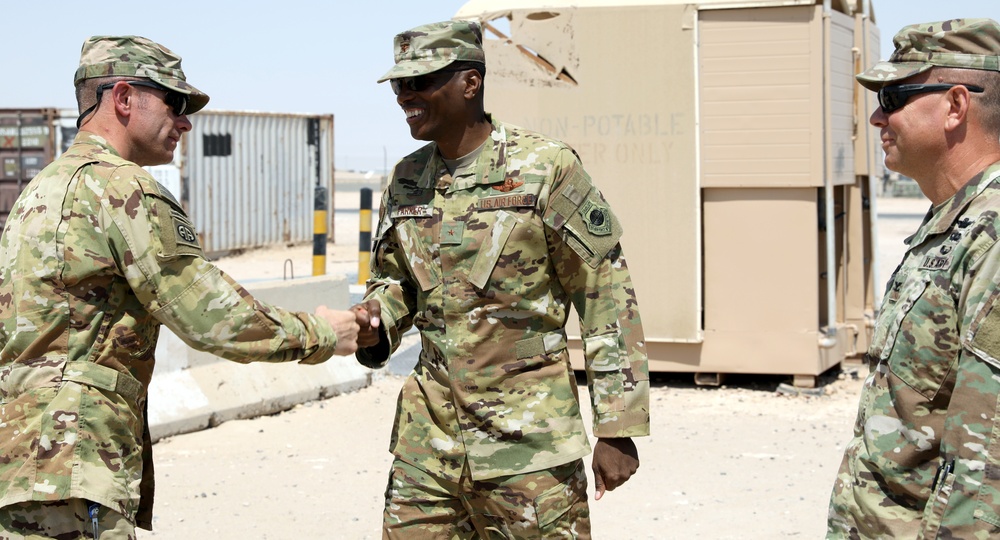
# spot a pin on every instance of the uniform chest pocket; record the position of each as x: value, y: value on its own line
x: 491, y: 248
x: 424, y: 268
x: 921, y: 340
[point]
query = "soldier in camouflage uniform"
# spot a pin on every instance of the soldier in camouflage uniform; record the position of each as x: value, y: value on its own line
x: 925, y: 458
x: 487, y: 237
x: 95, y: 257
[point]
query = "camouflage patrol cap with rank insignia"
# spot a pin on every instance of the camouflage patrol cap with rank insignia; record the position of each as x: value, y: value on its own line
x: 134, y: 56
x: 430, y: 47
x: 956, y: 43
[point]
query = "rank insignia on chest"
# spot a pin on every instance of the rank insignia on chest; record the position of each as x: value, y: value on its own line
x: 597, y: 218
x: 507, y: 201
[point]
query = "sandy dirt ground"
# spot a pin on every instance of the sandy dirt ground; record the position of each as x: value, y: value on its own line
x: 743, y: 461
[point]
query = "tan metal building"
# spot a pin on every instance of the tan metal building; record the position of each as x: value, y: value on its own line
x: 729, y: 137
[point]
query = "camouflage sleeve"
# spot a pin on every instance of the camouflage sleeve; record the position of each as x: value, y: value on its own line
x: 390, y: 284
x: 156, y: 248
x: 583, y: 238
x: 972, y: 427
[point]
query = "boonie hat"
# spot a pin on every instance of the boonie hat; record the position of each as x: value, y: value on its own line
x: 135, y: 56
x: 430, y: 47
x: 956, y: 43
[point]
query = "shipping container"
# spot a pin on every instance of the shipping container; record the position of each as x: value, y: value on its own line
x: 733, y: 142
x: 29, y: 140
x: 247, y: 179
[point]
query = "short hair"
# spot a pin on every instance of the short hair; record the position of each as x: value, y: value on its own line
x: 990, y: 100
x: 464, y: 64
x: 480, y: 68
x: 86, y: 90
x: 988, y: 111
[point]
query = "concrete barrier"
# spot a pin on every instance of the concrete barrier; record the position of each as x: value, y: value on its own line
x: 192, y: 390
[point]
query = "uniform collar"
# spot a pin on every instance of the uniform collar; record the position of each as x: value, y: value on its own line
x: 85, y: 139
x: 490, y: 167
x: 939, y: 219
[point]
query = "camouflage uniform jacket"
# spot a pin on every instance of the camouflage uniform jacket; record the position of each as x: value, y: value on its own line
x: 924, y: 461
x: 94, y: 257
x: 487, y: 264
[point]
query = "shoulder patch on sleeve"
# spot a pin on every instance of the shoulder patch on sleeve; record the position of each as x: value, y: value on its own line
x: 593, y: 230
x: 566, y: 200
x: 984, y: 332
x: 597, y: 217
x: 177, y: 233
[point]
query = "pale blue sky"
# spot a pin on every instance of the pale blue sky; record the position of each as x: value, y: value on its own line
x: 291, y: 56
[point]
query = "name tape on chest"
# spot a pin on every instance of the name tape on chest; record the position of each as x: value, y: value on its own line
x: 942, y: 258
x: 413, y: 210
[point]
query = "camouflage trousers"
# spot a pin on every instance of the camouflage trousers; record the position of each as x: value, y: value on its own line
x: 544, y: 504
x: 62, y: 520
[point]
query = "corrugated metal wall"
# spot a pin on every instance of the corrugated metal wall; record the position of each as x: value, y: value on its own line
x: 248, y: 179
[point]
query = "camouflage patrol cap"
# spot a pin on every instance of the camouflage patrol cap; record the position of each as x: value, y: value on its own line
x: 957, y: 43
x: 134, y: 56
x: 430, y: 47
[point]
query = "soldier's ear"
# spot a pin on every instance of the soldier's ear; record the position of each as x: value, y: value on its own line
x: 121, y: 98
x: 473, y: 83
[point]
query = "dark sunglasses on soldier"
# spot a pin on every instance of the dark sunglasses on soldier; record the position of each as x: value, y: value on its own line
x: 419, y: 84
x: 175, y: 100
x: 892, y: 98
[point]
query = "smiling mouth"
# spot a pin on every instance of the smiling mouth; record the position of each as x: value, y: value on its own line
x: 413, y: 113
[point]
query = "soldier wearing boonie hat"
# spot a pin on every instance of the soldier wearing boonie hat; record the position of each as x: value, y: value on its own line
x: 486, y: 236
x: 94, y: 257
x: 923, y: 460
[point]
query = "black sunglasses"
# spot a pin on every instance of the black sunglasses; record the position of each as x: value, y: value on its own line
x: 177, y: 102
x: 421, y: 83
x: 892, y: 98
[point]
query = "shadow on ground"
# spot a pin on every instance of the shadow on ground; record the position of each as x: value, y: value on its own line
x: 753, y: 382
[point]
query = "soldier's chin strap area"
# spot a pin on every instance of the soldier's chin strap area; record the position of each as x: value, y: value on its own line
x: 92, y: 108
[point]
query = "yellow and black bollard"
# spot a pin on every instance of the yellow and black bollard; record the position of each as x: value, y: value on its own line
x: 365, y: 236
x: 319, y: 231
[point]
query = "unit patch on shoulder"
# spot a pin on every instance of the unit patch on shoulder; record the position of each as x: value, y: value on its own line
x: 178, y: 235
x: 596, y: 217
x: 184, y: 229
x: 186, y: 234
